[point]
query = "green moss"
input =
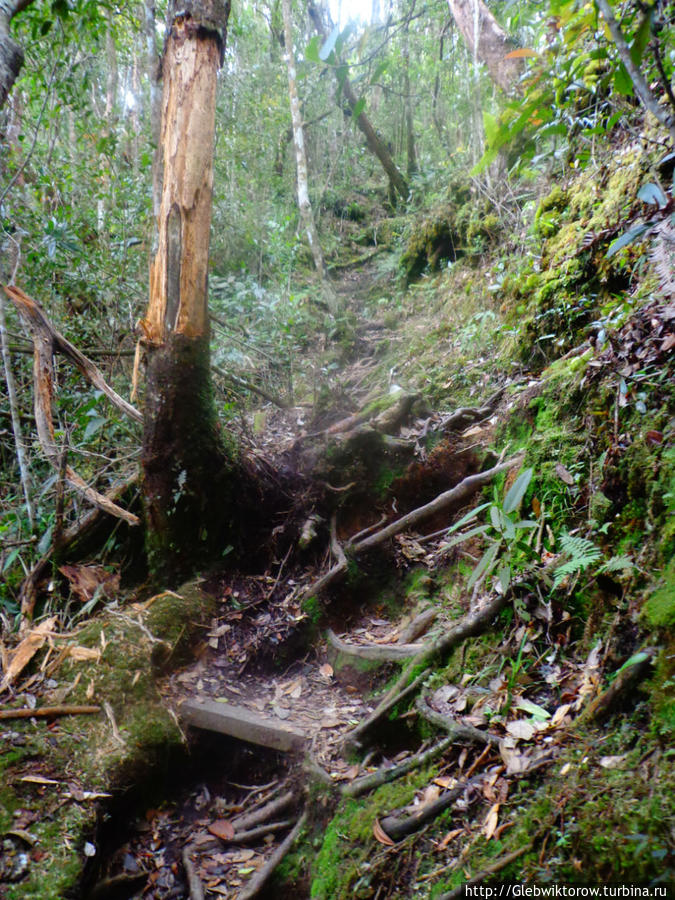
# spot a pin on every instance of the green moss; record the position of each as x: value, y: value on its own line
x: 659, y: 609
x: 311, y: 607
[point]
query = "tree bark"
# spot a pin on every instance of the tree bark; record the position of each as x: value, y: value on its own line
x: 187, y: 473
x: 493, y: 43
x: 304, y: 204
x: 11, y: 55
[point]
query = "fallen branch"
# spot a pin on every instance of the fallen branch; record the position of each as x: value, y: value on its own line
x: 375, y: 652
x: 458, y: 731
x: 390, y: 773
x: 397, y: 829
x: 48, y: 712
x: 419, y: 626
x: 45, y: 341
x: 262, y: 876
x: 492, y: 869
x: 625, y: 680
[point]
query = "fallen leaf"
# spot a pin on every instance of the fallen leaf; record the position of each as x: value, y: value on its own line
x: 560, y: 714
x: 85, y: 581
x: 565, y: 769
x: 515, y: 761
x: 533, y: 708
x: 491, y: 821
x: 381, y: 835
x: 563, y: 474
x: 612, y: 762
x: 536, y: 507
x: 81, y: 654
x: 326, y: 671
x: 521, y: 729
x: 38, y: 779
x: 222, y: 828
x: 351, y: 773
x: 444, y: 781
x: 26, y: 650
x: 450, y: 836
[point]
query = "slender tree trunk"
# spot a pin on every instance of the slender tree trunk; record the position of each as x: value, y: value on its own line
x: 304, y: 204
x: 410, y: 133
x: 375, y: 144
x: 104, y: 200
x: 493, y: 43
x: 187, y: 474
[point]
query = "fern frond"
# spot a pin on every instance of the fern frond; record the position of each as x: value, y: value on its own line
x: 582, y: 553
x: 617, y: 564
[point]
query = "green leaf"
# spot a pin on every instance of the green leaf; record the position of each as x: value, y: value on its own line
x: 459, y: 538
x: 485, y: 565
x: 504, y: 578
x: 358, y: 108
x: 651, y: 193
x: 329, y: 44
x: 312, y: 50
x: 516, y: 492
x: 622, y: 81
x: 95, y: 424
x: 627, y: 238
x: 641, y: 39
x: 533, y: 708
x: 10, y: 558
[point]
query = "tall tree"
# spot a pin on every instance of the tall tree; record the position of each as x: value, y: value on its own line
x: 487, y: 41
x: 187, y: 473
x: 304, y: 204
x: 11, y: 54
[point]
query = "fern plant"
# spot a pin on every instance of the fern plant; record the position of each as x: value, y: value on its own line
x: 583, y: 553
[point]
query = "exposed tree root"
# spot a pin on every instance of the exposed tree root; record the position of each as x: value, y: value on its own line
x: 397, y: 829
x: 256, y: 834
x: 263, y: 813
x: 419, y: 626
x: 471, y: 625
x: 442, y: 502
x: 262, y: 876
x: 458, y: 731
x: 626, y: 679
x: 492, y: 869
x: 390, y: 773
x: 195, y: 886
x: 375, y: 652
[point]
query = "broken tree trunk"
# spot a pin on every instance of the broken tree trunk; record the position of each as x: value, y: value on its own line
x: 188, y: 475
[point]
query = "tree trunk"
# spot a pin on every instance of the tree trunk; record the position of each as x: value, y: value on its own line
x: 187, y: 474
x: 304, y: 204
x: 410, y: 132
x: 493, y: 43
x: 375, y: 144
x: 11, y: 55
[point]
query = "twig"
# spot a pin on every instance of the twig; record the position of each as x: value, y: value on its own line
x: 48, y: 712
x: 376, y: 652
x: 458, y: 731
x: 262, y: 876
x: 390, y: 773
x: 492, y: 869
x: 365, y: 531
x: 400, y: 828
x: 194, y: 882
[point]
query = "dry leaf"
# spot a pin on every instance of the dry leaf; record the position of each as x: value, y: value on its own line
x: 222, y: 828
x: 85, y: 581
x: 450, y: 836
x: 565, y: 769
x: 381, y: 835
x: 38, y: 779
x: 612, y: 762
x: 563, y: 474
x: 491, y: 821
x: 444, y: 781
x: 515, y: 762
x: 521, y: 729
x: 26, y: 650
x: 560, y: 714
x: 352, y: 772
x: 326, y: 671
x: 80, y: 654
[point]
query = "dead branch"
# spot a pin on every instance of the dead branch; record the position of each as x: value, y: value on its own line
x: 458, y: 731
x: 45, y: 341
x: 48, y: 712
x: 397, y: 828
x: 262, y: 876
x: 376, y: 652
x: 492, y: 869
x: 263, y: 813
x: 69, y: 538
x: 390, y: 773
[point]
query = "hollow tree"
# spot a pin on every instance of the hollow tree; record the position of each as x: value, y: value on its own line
x: 187, y: 474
